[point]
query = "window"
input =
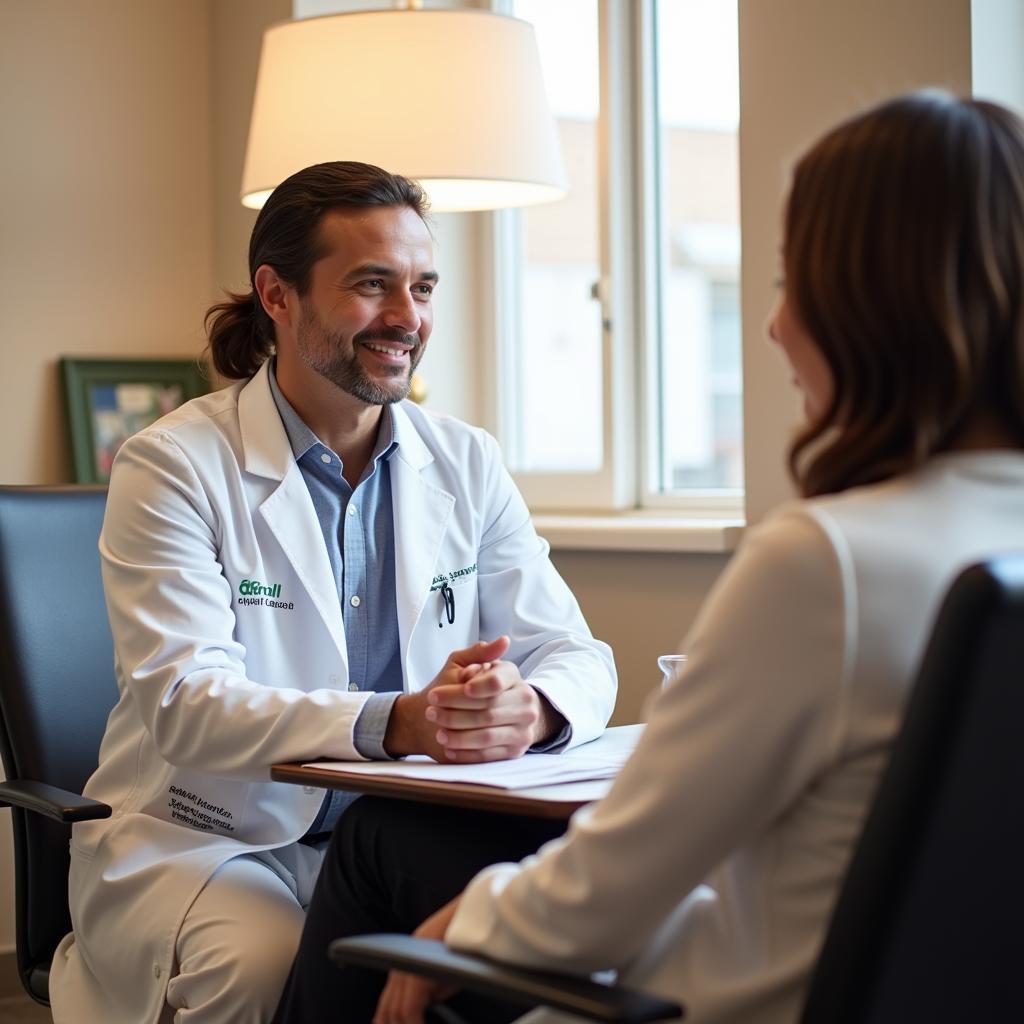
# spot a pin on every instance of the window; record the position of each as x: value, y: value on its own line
x: 617, y: 318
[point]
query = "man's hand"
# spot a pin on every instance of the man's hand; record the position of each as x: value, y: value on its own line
x: 406, y: 996
x: 477, y: 708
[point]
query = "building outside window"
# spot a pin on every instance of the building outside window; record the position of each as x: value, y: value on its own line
x: 617, y: 320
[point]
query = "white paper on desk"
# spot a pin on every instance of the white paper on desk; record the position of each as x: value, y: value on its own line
x: 600, y: 759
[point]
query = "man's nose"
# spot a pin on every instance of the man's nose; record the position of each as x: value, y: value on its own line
x: 401, y: 312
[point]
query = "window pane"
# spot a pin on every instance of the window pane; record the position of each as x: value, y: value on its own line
x: 699, y: 384
x: 559, y: 407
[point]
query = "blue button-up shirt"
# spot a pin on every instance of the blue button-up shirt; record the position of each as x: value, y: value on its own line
x: 359, y: 534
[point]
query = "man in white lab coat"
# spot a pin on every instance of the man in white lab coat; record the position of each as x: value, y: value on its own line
x: 301, y: 565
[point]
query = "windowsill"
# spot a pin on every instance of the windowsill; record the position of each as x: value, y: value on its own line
x: 639, y: 531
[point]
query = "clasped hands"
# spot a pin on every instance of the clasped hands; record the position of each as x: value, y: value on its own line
x: 477, y: 708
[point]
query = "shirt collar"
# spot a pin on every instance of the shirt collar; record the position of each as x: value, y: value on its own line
x: 302, y: 438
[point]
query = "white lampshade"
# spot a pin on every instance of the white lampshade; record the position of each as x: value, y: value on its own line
x: 454, y: 99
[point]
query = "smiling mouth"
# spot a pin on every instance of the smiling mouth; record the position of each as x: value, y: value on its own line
x: 387, y: 350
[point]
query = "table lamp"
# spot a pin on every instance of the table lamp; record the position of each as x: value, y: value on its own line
x: 452, y: 98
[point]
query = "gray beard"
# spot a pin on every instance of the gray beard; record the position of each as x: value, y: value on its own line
x: 321, y: 352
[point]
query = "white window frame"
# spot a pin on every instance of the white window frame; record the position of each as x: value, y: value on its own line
x: 628, y: 290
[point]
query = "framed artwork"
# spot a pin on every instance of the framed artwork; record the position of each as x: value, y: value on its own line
x: 108, y: 400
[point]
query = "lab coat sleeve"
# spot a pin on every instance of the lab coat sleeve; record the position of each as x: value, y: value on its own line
x: 522, y: 595
x: 730, y: 744
x: 173, y: 627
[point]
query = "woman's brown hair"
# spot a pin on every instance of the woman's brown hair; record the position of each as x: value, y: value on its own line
x: 904, y: 261
x: 286, y: 237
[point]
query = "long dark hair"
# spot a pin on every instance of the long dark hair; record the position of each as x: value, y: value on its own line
x: 904, y: 259
x: 286, y: 237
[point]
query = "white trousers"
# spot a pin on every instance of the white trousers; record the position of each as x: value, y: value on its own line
x: 238, y: 939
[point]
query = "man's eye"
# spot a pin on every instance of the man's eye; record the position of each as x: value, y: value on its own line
x: 374, y: 284
x: 424, y: 289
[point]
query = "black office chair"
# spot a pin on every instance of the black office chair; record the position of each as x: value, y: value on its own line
x: 56, y: 690
x: 929, y: 921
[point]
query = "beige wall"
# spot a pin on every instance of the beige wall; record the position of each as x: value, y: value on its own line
x: 236, y: 30
x: 106, y: 201
x: 642, y: 604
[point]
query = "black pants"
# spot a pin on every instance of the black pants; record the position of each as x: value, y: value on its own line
x: 391, y: 864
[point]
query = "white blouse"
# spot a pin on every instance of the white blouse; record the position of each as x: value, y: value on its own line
x: 709, y: 871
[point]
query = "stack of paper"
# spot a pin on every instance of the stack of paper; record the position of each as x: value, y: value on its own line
x: 600, y: 759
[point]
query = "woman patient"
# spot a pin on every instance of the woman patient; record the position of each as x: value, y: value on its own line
x: 709, y: 872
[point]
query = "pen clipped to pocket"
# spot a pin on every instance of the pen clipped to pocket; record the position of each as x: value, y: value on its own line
x: 448, y: 612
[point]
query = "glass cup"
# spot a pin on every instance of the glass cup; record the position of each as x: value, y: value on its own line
x: 671, y: 665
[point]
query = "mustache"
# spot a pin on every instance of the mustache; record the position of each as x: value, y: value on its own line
x: 386, y: 334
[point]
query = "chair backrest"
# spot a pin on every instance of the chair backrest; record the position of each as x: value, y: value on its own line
x: 930, y: 919
x: 56, y: 688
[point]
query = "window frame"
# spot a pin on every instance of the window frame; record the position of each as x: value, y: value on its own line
x: 628, y: 290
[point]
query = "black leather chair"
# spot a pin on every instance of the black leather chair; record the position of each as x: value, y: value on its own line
x: 928, y: 923
x: 56, y: 690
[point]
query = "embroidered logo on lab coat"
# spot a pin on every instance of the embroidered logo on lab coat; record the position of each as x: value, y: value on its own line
x: 252, y: 592
x: 451, y: 577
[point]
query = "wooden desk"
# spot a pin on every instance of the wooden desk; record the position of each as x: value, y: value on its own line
x: 558, y: 801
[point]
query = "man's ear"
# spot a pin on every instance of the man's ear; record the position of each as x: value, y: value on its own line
x: 276, y: 297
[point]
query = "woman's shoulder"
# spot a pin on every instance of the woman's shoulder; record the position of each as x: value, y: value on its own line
x: 944, y: 510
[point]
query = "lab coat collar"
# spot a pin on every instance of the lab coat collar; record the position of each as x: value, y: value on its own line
x: 411, y: 448
x: 288, y: 510
x: 267, y: 450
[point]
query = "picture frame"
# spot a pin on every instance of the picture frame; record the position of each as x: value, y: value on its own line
x: 108, y: 400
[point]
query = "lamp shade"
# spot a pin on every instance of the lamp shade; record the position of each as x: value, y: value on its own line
x: 454, y: 99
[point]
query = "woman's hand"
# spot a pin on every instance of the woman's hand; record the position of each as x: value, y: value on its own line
x: 406, y: 996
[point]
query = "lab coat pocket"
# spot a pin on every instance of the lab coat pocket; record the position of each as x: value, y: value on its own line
x: 453, y: 601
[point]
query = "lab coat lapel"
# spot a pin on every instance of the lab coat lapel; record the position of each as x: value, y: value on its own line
x: 288, y: 511
x: 420, y: 512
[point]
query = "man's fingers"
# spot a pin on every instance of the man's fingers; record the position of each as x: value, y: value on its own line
x: 478, y: 689
x: 515, y: 738
x: 509, y: 709
x: 455, y: 697
x: 485, y: 650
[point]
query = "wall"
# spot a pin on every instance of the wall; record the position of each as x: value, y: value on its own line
x: 106, y: 201
x: 642, y: 604
x: 236, y: 33
x: 997, y: 31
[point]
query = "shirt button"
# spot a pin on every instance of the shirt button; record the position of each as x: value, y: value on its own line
x: 325, y: 457
x: 351, y: 510
x: 156, y: 971
x: 353, y: 687
x: 354, y: 601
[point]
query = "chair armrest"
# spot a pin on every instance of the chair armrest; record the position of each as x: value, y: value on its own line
x: 50, y: 801
x: 529, y: 988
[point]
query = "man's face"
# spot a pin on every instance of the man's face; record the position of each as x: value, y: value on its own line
x: 367, y: 316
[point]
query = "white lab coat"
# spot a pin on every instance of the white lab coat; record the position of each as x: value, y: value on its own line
x: 759, y: 761
x: 230, y: 656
